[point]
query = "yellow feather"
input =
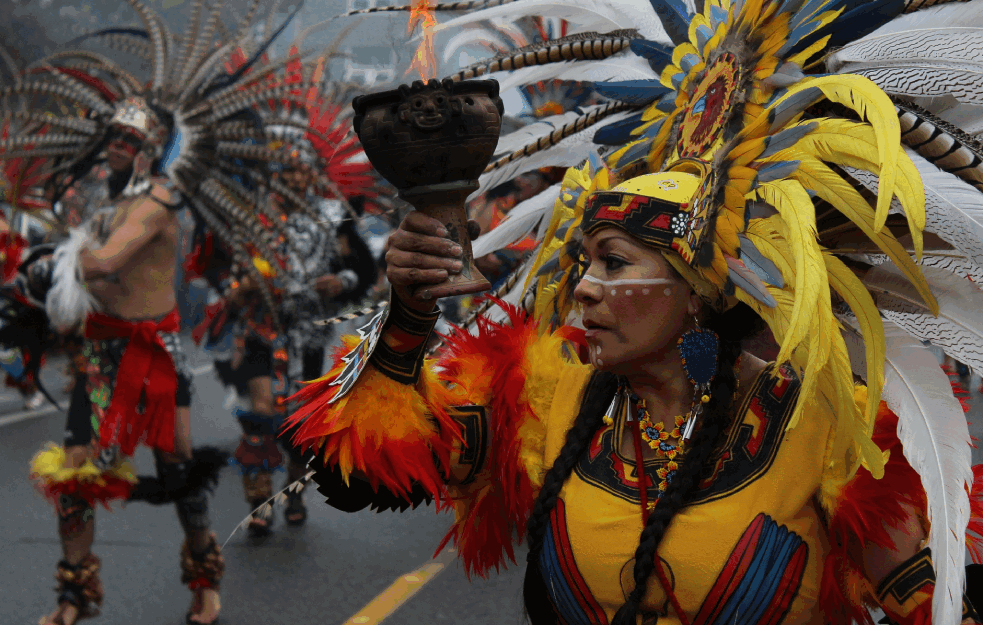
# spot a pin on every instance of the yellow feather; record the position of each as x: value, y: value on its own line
x: 798, y: 215
x: 855, y: 294
x: 847, y: 143
x: 714, y: 41
x: 717, y: 272
x: 738, y: 172
x: 803, y: 57
x: 728, y: 226
x: 772, y: 246
x: 867, y: 100
x: 828, y: 186
x: 734, y: 199
x: 698, y: 20
x: 667, y: 75
x: 682, y: 50
x: 746, y: 152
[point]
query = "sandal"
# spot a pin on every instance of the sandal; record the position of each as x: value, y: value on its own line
x: 201, y: 572
x: 296, y: 512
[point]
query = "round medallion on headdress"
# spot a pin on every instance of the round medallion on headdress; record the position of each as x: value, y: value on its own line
x: 710, y: 107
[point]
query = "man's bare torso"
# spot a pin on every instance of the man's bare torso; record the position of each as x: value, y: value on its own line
x: 144, y: 287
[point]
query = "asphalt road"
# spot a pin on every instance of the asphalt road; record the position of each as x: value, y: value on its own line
x: 325, y: 572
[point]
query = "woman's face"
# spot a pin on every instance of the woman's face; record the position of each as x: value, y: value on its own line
x: 634, y: 305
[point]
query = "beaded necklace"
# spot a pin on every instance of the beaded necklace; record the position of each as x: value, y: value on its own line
x: 657, y: 437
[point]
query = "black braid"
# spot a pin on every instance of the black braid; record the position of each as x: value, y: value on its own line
x: 600, y: 392
x: 692, y: 467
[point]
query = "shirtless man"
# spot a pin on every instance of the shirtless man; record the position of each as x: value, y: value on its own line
x: 136, y: 387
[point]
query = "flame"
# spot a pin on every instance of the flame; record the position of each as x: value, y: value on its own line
x: 424, y: 59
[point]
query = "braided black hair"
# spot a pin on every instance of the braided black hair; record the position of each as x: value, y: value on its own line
x: 600, y: 390
x: 732, y: 327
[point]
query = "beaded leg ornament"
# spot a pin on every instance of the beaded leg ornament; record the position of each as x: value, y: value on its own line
x: 700, y: 350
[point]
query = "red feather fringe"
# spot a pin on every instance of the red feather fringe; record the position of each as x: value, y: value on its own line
x: 382, y: 442
x: 488, y: 369
x: 957, y: 388
x: 112, y: 489
x: 974, y: 531
x: 495, y: 514
x: 862, y: 509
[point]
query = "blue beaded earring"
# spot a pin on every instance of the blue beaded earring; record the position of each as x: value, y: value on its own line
x: 700, y: 349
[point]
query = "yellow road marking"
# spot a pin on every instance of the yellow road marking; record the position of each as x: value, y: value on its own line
x: 401, y: 590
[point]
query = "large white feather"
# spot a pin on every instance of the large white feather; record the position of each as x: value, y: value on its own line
x: 474, y: 37
x: 520, y: 221
x: 953, y: 208
x: 621, y: 66
x: 932, y: 52
x: 567, y: 153
x: 542, y: 128
x: 953, y: 262
x: 68, y: 302
x: 933, y: 431
x: 584, y: 15
x: 967, y: 117
x: 958, y: 329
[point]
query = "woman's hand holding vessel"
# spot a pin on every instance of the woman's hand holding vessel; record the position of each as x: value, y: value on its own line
x: 418, y: 256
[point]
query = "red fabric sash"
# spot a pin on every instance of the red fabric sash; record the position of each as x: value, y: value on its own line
x: 144, y: 367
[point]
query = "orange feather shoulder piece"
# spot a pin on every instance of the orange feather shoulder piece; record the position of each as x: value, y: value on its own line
x: 401, y: 437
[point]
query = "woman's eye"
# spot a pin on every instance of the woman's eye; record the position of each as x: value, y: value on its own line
x: 613, y: 263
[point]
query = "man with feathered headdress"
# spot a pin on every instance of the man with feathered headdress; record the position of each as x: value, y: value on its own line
x: 194, y: 127
x: 136, y: 386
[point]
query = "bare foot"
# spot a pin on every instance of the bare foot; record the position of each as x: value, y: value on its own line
x: 66, y: 614
x: 205, y: 607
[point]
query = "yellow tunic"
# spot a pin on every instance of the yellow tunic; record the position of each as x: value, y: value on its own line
x: 749, y: 550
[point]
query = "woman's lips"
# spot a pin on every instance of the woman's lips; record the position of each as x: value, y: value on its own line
x: 593, y: 332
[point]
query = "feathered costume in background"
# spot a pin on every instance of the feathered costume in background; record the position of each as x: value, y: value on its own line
x: 58, y: 114
x: 786, y: 219
x: 307, y: 124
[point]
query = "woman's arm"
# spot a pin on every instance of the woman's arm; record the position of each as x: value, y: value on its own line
x: 391, y: 429
x: 878, y: 531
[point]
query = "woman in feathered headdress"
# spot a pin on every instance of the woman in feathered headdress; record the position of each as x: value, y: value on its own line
x: 671, y: 478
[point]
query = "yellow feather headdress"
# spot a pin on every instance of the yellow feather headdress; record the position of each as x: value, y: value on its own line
x: 739, y: 105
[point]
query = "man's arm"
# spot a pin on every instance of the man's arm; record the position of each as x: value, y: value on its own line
x: 143, y: 223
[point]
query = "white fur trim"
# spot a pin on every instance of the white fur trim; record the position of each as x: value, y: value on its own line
x: 69, y: 302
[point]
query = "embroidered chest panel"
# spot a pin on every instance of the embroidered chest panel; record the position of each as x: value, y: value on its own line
x: 748, y: 453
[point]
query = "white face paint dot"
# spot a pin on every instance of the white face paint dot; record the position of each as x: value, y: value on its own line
x: 600, y: 363
x: 667, y: 292
x: 614, y: 291
x: 645, y: 291
x: 628, y: 292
